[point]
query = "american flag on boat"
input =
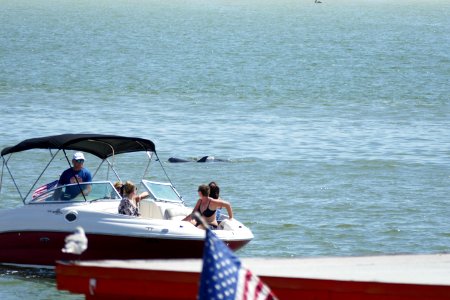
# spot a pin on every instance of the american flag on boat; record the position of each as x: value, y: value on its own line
x: 224, y: 277
x: 46, y: 187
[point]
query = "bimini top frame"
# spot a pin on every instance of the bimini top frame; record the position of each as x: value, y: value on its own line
x: 100, y: 145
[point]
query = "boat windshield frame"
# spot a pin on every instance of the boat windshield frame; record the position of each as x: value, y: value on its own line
x: 162, y: 191
x: 98, y: 190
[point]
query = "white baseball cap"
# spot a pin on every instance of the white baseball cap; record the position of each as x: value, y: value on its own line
x: 78, y: 155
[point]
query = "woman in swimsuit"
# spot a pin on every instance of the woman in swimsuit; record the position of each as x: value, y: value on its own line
x: 207, y: 207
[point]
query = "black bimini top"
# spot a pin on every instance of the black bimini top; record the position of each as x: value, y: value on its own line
x: 100, y: 145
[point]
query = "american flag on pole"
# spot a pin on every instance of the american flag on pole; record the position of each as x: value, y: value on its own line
x: 46, y: 187
x: 223, y: 276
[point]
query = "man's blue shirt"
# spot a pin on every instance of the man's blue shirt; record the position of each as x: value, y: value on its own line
x: 68, y: 177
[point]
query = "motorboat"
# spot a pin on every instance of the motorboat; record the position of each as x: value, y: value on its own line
x: 34, y: 233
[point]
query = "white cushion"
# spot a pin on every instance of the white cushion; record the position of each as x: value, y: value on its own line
x: 177, y: 213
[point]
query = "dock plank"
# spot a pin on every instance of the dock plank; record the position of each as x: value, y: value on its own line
x: 397, y: 277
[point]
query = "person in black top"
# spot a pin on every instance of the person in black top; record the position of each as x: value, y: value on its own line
x: 207, y: 207
x: 214, y: 190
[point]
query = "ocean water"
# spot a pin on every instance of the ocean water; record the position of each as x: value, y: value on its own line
x: 335, y: 116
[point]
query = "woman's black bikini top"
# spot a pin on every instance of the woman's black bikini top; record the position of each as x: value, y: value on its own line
x: 207, y: 212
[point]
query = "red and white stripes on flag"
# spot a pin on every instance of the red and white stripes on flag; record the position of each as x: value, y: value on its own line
x: 251, y: 287
x: 42, y: 189
x: 223, y: 276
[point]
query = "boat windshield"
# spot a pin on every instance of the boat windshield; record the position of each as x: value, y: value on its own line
x: 94, y: 191
x: 162, y: 191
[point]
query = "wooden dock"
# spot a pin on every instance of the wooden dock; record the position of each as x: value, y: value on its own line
x: 396, y: 277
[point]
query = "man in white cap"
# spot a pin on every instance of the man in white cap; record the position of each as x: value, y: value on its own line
x: 76, y: 175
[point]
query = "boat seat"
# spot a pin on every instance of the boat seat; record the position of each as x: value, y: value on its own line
x: 177, y: 213
x: 149, y: 209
